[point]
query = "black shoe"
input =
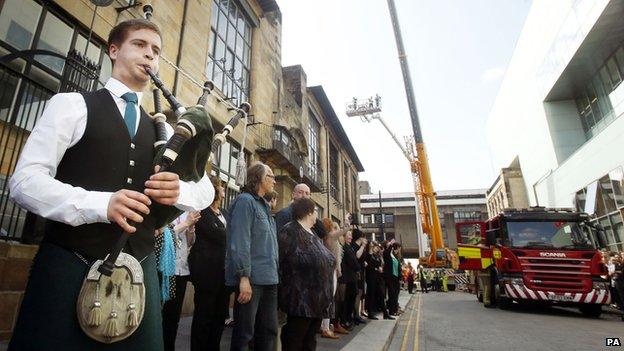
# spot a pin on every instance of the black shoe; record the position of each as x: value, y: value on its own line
x: 373, y: 318
x: 359, y: 321
x: 389, y: 318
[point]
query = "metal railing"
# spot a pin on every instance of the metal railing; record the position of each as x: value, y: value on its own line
x: 270, y: 141
x: 22, y: 101
x: 27, y: 100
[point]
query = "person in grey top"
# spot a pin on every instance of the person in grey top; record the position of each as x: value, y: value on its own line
x: 251, y: 263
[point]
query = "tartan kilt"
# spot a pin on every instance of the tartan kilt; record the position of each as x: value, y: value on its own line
x: 47, y: 319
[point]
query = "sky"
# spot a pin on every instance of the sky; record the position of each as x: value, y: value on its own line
x: 457, y: 51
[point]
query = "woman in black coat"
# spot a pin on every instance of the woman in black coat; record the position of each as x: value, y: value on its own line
x: 306, y: 269
x: 207, y: 267
x: 374, y: 270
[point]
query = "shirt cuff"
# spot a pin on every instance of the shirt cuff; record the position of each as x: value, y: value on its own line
x: 245, y: 272
x: 95, y: 207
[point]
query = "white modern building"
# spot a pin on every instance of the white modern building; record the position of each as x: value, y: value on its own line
x: 560, y: 105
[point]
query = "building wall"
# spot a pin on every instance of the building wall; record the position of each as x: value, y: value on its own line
x: 508, y: 191
x: 521, y: 123
x: 453, y: 207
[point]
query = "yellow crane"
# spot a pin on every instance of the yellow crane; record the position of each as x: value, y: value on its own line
x: 414, y: 151
x: 419, y: 164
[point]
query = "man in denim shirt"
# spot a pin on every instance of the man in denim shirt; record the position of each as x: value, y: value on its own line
x: 251, y: 263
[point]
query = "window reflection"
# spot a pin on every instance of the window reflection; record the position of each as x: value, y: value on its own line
x: 18, y: 22
x: 228, y: 61
x: 56, y: 36
x: 600, y: 101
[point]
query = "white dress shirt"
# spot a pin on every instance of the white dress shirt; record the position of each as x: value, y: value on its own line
x: 60, y: 127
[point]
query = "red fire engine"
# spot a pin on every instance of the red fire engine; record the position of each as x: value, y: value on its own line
x: 535, y: 255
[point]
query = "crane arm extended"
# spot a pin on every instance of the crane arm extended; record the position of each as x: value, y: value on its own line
x: 405, y: 152
x: 420, y: 165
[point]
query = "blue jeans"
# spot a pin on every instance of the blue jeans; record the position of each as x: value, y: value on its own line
x: 256, y: 319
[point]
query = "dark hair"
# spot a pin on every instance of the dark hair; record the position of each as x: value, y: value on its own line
x: 216, y: 183
x: 119, y: 33
x: 271, y: 195
x: 255, y: 175
x: 357, y: 234
x: 302, y: 208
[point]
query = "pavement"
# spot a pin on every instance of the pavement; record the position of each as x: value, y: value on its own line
x: 456, y: 321
x: 372, y: 336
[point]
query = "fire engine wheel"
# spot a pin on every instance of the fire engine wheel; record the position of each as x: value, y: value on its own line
x: 592, y: 311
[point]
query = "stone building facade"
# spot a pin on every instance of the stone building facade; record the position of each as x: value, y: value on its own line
x: 234, y: 43
x: 508, y: 190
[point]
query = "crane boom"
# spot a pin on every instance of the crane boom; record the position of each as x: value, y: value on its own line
x: 419, y: 164
x: 407, y: 80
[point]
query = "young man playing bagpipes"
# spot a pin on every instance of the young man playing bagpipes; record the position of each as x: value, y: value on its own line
x: 88, y: 168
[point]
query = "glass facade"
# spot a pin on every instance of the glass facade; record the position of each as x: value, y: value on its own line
x: 608, y: 203
x: 229, y: 50
x: 600, y: 102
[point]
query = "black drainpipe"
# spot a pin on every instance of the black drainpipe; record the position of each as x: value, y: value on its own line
x: 179, y: 57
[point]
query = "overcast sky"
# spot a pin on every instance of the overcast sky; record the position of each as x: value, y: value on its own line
x: 457, y: 51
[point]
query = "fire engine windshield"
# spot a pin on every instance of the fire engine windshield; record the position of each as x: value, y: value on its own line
x: 552, y: 235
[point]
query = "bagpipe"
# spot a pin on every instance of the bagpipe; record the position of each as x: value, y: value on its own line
x: 111, y: 302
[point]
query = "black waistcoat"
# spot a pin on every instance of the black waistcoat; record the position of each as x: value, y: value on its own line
x: 105, y: 159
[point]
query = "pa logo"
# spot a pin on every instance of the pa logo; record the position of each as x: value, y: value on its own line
x: 613, y: 342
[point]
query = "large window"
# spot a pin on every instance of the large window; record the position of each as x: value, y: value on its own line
x: 229, y: 49
x: 345, y: 185
x: 224, y: 166
x: 27, y: 24
x: 333, y: 171
x: 314, y: 129
x: 600, y: 102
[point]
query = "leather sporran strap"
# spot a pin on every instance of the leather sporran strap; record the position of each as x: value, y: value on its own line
x: 111, y: 308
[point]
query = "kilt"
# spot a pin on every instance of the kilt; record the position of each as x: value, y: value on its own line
x: 47, y: 319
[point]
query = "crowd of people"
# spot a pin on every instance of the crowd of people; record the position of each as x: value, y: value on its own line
x: 87, y: 168
x: 615, y: 268
x: 286, y: 268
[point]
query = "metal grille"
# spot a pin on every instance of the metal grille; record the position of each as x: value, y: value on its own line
x: 22, y: 101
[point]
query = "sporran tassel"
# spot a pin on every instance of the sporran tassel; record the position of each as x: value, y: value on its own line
x: 95, y: 315
x: 111, y: 329
x: 133, y: 319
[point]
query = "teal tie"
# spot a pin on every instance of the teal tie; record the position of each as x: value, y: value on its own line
x: 130, y: 114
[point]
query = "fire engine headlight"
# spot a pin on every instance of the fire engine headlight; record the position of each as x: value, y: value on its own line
x: 600, y: 285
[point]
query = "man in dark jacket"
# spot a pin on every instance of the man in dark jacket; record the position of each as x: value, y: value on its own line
x: 283, y: 216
